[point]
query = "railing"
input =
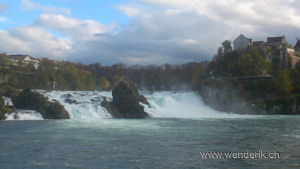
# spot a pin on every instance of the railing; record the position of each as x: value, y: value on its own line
x: 267, y: 77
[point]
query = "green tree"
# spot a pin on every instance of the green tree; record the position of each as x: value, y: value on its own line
x: 282, y: 83
x: 104, y: 83
x: 227, y: 46
x: 295, y: 76
x: 116, y: 80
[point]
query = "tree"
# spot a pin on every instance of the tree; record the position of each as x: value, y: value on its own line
x: 104, y: 83
x: 246, y: 65
x: 116, y: 80
x: 295, y: 76
x: 4, y: 60
x: 227, y: 46
x: 283, y: 83
x: 220, y: 51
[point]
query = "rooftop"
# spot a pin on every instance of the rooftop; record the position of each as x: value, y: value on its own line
x: 242, y: 36
x: 280, y: 39
x: 20, y: 56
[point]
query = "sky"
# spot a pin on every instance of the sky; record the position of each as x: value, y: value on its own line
x: 139, y: 31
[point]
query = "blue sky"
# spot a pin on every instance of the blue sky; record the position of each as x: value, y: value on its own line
x: 102, y: 11
x: 139, y: 31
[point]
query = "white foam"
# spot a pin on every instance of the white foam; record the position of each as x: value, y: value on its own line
x: 7, y: 101
x: 87, y: 106
x: 184, y: 105
x: 24, y: 115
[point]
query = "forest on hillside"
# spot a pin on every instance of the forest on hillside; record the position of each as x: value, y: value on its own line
x: 55, y: 75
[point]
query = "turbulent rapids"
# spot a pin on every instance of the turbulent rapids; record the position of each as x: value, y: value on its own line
x: 86, y: 105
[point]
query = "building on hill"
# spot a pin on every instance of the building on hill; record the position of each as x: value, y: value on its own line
x: 276, y: 49
x: 241, y: 43
x: 276, y: 41
x: 280, y: 50
x: 18, y: 60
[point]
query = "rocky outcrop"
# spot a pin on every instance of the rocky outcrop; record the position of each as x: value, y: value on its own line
x: 34, y: 101
x: 288, y: 105
x: 225, y: 96
x: 56, y: 111
x: 126, y: 102
x: 71, y: 101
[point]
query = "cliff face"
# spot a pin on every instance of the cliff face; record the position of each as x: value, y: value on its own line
x: 227, y: 96
x: 283, y: 105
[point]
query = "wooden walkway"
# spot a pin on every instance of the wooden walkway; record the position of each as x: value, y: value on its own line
x: 265, y: 77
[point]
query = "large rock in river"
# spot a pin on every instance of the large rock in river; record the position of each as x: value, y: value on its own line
x: 126, y: 102
x: 34, y: 101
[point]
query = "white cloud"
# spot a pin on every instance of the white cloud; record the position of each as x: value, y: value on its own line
x: 157, y: 39
x: 130, y: 11
x: 264, y: 12
x: 160, y: 31
x: 29, y: 5
x: 35, y: 41
x: 76, y: 29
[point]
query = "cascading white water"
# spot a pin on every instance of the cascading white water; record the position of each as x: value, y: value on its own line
x: 20, y: 114
x: 7, y: 101
x: 181, y: 105
x: 24, y: 115
x: 82, y: 105
x: 86, y: 105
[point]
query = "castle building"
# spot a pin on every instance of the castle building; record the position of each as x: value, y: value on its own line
x: 276, y: 49
x: 241, y: 43
x: 279, y: 45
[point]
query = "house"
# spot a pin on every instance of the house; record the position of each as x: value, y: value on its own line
x: 18, y: 60
x: 242, y: 43
x: 279, y: 45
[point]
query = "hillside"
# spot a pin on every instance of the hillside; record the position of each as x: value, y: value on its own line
x: 55, y: 75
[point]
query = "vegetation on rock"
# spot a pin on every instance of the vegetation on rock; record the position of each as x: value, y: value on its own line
x: 3, y: 110
x: 224, y: 90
